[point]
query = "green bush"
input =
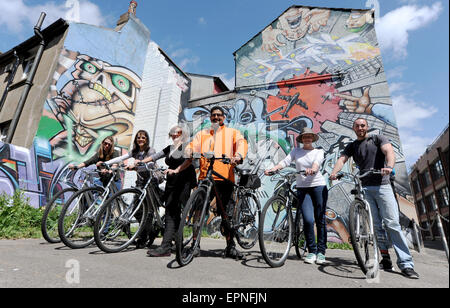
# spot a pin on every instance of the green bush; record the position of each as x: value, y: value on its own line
x: 17, y: 218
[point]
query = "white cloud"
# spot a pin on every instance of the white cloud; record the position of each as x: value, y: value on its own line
x: 18, y: 15
x: 413, y: 145
x: 188, y: 61
x: 412, y: 117
x: 411, y: 114
x: 394, y: 27
x: 395, y: 87
x: 202, y: 21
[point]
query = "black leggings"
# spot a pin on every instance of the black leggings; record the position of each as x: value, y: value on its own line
x: 176, y: 199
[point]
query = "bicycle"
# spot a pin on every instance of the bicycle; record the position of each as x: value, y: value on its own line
x: 76, y: 221
x: 243, y: 221
x: 362, y: 233
x: 123, y: 217
x: 277, y: 231
x: 49, y: 222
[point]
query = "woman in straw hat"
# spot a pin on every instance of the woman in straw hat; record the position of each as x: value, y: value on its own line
x: 313, y: 184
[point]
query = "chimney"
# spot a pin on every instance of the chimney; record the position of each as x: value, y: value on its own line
x: 124, y: 17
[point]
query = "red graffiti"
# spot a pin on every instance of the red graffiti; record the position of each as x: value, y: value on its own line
x: 305, y: 95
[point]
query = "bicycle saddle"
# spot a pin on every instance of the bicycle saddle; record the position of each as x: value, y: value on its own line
x: 242, y: 171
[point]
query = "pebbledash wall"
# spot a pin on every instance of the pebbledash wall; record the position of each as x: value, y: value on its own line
x: 107, y: 83
x: 319, y: 68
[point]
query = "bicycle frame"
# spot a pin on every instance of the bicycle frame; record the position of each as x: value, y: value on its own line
x: 150, y: 196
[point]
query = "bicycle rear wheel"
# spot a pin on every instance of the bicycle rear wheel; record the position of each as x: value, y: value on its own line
x: 76, y: 221
x: 191, y: 227
x: 49, y: 222
x: 275, y: 231
x: 248, y: 213
x: 364, y: 242
x: 119, y: 222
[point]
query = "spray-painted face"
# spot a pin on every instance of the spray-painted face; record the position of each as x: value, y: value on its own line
x: 103, y: 98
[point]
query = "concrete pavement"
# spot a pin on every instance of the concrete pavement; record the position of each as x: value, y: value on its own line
x: 35, y: 263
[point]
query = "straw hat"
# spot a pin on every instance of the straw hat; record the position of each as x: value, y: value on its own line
x: 307, y: 131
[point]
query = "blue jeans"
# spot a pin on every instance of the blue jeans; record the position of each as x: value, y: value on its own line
x: 385, y: 211
x: 313, y: 210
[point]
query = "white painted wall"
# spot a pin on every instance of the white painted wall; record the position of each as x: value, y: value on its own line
x: 159, y: 102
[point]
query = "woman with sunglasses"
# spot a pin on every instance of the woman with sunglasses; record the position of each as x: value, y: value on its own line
x: 105, y: 152
x: 178, y: 188
x: 140, y: 151
x: 313, y: 184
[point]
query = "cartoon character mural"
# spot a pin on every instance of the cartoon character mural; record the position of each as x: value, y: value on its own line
x: 93, y: 95
x: 319, y: 68
x: 99, y: 101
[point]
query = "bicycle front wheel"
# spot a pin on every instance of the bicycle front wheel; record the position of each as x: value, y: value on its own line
x: 362, y: 238
x: 120, y: 221
x: 191, y: 226
x: 275, y: 231
x: 299, y: 236
x: 76, y: 221
x: 248, y: 213
x: 49, y: 222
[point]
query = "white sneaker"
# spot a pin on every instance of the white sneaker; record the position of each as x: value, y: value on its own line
x: 310, y: 258
x: 320, y: 259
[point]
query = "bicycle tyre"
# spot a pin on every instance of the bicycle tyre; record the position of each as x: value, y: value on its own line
x: 49, y: 229
x: 189, y: 232
x: 299, y: 237
x: 275, y: 231
x: 364, y: 243
x: 248, y: 214
x: 121, y: 226
x: 80, y: 233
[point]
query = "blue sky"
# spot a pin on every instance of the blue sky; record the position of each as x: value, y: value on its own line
x: 201, y: 36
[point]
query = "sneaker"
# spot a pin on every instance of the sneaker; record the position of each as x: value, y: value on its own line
x: 410, y: 273
x: 310, y: 258
x: 233, y: 253
x: 386, y: 264
x: 159, y: 252
x: 320, y: 259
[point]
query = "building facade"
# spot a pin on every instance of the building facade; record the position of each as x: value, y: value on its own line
x: 311, y: 67
x: 429, y: 185
x: 83, y: 92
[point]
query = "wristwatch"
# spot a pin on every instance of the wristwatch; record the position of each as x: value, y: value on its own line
x: 392, y: 168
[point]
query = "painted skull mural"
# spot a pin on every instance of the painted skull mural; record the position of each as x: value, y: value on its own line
x: 99, y: 101
x: 93, y: 94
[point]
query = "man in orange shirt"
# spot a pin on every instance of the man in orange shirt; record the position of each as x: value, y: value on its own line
x: 226, y: 141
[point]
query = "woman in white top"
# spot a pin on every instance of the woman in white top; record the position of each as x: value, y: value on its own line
x: 313, y: 184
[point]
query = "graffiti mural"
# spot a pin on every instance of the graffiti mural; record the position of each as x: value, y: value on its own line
x: 317, y: 68
x: 93, y: 95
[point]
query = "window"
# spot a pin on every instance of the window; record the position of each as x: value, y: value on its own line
x: 431, y: 203
x: 442, y: 197
x: 26, y: 65
x: 426, y: 179
x: 4, y: 130
x: 422, y: 209
x: 416, y: 186
x: 436, y: 170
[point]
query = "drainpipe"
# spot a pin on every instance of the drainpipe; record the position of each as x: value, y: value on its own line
x: 29, y: 81
x: 10, y: 79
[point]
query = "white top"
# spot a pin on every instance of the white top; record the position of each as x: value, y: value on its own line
x: 305, y: 159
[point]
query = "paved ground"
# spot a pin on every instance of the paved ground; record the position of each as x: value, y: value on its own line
x: 34, y: 263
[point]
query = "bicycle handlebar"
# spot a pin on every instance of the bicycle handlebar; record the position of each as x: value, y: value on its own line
x: 369, y: 172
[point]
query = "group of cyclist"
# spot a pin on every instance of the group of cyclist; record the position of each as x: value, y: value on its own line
x: 368, y: 152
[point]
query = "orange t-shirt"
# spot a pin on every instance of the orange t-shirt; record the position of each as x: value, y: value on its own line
x: 225, y: 140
